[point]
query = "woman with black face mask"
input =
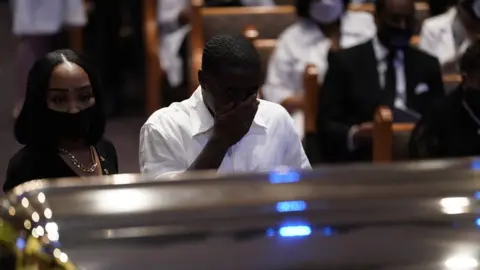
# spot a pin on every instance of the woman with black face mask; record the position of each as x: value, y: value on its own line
x: 61, y: 123
x: 452, y: 127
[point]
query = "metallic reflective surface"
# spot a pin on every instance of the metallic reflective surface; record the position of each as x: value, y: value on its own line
x: 419, y: 215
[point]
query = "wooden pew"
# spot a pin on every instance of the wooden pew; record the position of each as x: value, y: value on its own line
x: 264, y: 47
x: 236, y: 18
x: 269, y: 22
x: 153, y: 72
x: 390, y: 141
x: 384, y: 149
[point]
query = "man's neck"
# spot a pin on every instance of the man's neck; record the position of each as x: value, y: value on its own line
x: 212, y: 112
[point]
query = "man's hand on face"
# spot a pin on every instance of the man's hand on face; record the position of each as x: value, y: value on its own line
x: 233, y: 122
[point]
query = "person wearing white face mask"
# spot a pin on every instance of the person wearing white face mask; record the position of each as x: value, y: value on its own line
x: 324, y: 26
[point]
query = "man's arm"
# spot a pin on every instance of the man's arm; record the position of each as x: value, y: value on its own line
x: 428, y: 41
x: 333, y: 134
x: 211, y: 156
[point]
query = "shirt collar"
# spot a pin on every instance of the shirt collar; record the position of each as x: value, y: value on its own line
x: 202, y: 121
x: 381, y: 52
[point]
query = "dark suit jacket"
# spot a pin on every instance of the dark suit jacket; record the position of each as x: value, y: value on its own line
x: 351, y: 93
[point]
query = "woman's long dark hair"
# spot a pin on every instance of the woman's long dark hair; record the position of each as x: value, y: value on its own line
x: 32, y: 127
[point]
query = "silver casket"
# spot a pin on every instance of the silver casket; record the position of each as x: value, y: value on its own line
x: 419, y: 215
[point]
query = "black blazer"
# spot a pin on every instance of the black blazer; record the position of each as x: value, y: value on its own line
x: 351, y: 93
x: 30, y: 164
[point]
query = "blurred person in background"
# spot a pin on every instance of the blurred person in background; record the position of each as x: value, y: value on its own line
x: 237, y: 3
x: 451, y: 128
x: 385, y: 71
x: 324, y: 26
x: 61, y: 124
x: 174, y: 18
x: 222, y: 126
x: 438, y: 7
x: 36, y: 22
x: 115, y: 29
x: 447, y: 35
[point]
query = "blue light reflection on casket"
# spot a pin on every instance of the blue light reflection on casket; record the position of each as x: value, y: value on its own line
x: 283, y: 176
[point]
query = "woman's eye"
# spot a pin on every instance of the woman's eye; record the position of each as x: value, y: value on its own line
x: 58, y: 100
x: 85, y: 97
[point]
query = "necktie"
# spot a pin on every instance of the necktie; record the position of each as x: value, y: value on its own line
x: 390, y: 89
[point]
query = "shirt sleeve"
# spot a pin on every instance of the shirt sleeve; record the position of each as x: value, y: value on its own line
x: 168, y: 12
x: 295, y: 156
x: 282, y: 80
x: 428, y: 42
x: 75, y: 13
x: 161, y: 151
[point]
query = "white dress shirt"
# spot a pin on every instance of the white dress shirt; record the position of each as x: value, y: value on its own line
x: 46, y: 17
x: 173, y: 137
x: 303, y: 43
x: 437, y: 37
x: 400, y: 101
x: 172, y: 35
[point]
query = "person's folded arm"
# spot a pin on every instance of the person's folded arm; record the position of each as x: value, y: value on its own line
x: 283, y: 84
x: 335, y: 136
x: 161, y: 152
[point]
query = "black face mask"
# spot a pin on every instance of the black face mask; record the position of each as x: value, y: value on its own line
x: 395, y: 37
x: 72, y: 126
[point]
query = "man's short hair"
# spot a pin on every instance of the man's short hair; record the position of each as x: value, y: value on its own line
x: 226, y: 51
x: 470, y: 60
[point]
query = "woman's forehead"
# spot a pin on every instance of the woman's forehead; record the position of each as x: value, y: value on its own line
x: 68, y: 75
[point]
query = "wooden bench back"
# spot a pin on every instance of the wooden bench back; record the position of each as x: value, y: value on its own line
x: 390, y: 141
x: 153, y: 71
x: 208, y: 21
x: 265, y: 47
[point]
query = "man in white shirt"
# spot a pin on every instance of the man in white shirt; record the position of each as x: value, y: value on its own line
x: 448, y: 35
x: 222, y: 126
